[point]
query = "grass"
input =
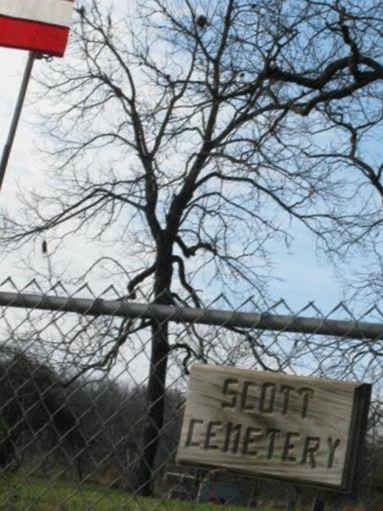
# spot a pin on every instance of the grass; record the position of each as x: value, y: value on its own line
x: 38, y: 495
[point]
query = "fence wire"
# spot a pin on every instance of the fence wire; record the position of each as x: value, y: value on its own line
x: 77, y: 402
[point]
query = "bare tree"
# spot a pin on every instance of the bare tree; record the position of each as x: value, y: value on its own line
x: 353, y: 229
x: 175, y: 125
x: 344, y: 142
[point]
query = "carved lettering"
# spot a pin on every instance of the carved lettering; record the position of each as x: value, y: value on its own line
x: 276, y: 425
x: 189, y: 437
x: 211, y: 432
x: 289, y: 445
x: 311, y: 446
x: 306, y: 394
x: 332, y: 444
x: 285, y: 390
x: 245, y: 406
x: 232, y: 438
x: 267, y: 398
x: 251, y: 436
x: 229, y: 390
x: 272, y: 434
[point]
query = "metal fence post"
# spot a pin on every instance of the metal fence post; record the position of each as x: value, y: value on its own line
x: 16, y: 116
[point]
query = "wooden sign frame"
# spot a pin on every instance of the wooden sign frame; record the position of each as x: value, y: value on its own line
x: 292, y: 428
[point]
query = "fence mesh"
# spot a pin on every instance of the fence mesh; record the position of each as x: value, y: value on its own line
x: 76, y: 403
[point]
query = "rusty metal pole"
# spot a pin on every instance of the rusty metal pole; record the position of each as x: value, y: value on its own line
x: 16, y: 116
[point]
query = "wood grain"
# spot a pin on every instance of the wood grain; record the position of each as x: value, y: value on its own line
x: 294, y: 428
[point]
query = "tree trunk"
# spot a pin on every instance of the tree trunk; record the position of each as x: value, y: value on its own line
x: 157, y: 380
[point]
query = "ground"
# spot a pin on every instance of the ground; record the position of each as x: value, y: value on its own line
x: 17, y: 494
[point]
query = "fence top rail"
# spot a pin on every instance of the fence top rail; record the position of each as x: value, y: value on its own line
x: 226, y: 318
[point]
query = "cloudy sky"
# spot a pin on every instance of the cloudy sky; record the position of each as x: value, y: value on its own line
x: 26, y: 166
x: 300, y: 276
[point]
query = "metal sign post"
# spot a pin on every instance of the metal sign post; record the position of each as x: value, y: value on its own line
x: 16, y: 116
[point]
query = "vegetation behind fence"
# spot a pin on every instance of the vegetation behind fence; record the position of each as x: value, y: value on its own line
x: 82, y: 414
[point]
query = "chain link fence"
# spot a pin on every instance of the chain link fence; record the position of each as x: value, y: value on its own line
x: 86, y: 422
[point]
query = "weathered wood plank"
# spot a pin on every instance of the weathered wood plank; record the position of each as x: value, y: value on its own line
x: 294, y: 428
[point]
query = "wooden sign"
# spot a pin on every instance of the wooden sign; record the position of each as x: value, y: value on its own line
x: 305, y: 430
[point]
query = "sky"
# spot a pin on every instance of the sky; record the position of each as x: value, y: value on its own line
x: 299, y: 277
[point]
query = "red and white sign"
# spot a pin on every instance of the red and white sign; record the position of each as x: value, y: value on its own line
x: 35, y: 25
